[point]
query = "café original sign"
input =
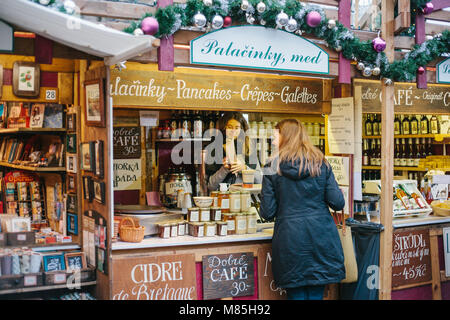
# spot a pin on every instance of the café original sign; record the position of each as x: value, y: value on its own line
x: 259, y: 48
x: 154, y: 278
x: 225, y: 90
x: 407, y: 98
x: 443, y: 71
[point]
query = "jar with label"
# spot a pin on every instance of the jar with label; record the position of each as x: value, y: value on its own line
x: 216, y: 214
x: 196, y: 229
x: 241, y: 223
x: 222, y: 227
x: 181, y: 228
x: 174, y: 229
x: 235, y: 201
x: 164, y: 230
x: 246, y: 201
x: 251, y: 222
x: 215, y: 196
x: 316, y: 129
x: 205, y: 214
x: 193, y: 214
x: 210, y: 229
x: 224, y: 201
x: 231, y: 225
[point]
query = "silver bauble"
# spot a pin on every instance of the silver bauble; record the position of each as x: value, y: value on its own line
x: 428, y: 37
x: 69, y: 6
x: 217, y: 22
x: 261, y: 7
x: 338, y: 48
x: 331, y: 24
x: 208, y: 3
x: 244, y: 5
x: 367, y: 72
x: 360, y: 66
x: 262, y: 22
x: 388, y: 82
x: 199, y: 20
x: 44, y: 2
x: 282, y: 19
x: 292, y: 25
x: 376, y: 71
x: 138, y: 32
x: 250, y: 19
x: 299, y: 32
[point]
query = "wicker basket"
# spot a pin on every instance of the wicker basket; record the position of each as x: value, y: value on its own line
x: 440, y: 211
x: 130, y: 232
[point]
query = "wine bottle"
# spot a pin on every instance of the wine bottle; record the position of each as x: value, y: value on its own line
x: 430, y: 147
x: 376, y: 126
x: 424, y: 149
x: 403, y: 154
x: 410, y: 159
x: 397, y: 125
x: 397, y: 153
x: 414, y: 125
x: 368, y: 126
x: 434, y: 125
x: 366, y: 160
x: 424, y: 125
x: 406, y: 126
x: 417, y: 153
x: 198, y: 125
x: 378, y: 154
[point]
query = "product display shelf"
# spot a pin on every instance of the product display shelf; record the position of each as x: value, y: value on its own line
x: 35, y: 169
x: 32, y: 130
x: 437, y: 137
x: 50, y: 247
x: 396, y: 168
x: 181, y: 140
x: 45, y: 288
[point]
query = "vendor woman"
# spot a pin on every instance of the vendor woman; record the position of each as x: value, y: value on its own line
x: 237, y: 154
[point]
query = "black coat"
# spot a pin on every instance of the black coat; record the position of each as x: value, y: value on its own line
x: 306, y: 249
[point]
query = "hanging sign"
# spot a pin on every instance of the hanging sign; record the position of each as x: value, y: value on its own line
x: 443, y: 71
x: 224, y: 90
x: 341, y: 137
x: 411, y: 260
x: 154, y: 278
x: 435, y: 99
x: 258, y: 47
x: 127, y: 142
x: 228, y: 275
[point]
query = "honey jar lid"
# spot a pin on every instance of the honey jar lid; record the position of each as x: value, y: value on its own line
x: 210, y: 223
x: 164, y: 224
x: 193, y: 209
x: 216, y: 208
x: 222, y: 222
x: 235, y: 192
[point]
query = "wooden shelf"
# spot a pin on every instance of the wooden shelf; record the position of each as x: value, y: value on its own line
x: 44, y: 288
x: 396, y: 168
x: 50, y: 246
x: 181, y: 140
x: 437, y: 137
x: 32, y: 130
x: 35, y: 169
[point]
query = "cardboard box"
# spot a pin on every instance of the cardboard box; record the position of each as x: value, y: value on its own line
x: 20, y: 238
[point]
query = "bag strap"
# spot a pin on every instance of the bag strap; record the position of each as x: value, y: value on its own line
x: 339, y: 219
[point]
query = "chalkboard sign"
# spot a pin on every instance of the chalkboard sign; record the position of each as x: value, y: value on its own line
x: 127, y: 142
x: 228, y: 275
x: 411, y: 260
x: 267, y: 288
x: 54, y: 262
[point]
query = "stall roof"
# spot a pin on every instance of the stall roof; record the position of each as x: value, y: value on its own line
x: 95, y: 39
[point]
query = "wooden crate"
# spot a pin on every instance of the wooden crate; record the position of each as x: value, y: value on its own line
x: 20, y: 238
x: 33, y: 280
x: 63, y: 276
x: 11, y: 282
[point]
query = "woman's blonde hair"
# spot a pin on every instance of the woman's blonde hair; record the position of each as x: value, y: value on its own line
x: 295, y: 145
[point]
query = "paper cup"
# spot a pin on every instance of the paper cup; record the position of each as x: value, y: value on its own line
x: 248, y: 178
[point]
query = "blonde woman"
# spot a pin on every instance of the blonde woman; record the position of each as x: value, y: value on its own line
x: 306, y: 250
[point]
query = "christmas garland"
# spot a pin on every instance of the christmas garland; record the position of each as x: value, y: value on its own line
x: 294, y: 17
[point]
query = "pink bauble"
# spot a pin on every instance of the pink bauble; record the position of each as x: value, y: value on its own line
x: 227, y: 21
x: 420, y: 70
x: 313, y: 19
x: 150, y: 25
x: 378, y: 44
x: 428, y: 8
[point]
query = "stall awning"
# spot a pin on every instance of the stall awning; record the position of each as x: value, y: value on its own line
x: 95, y: 39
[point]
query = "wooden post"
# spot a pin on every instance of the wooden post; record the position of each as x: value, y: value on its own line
x: 344, y: 17
x: 166, y: 54
x: 420, y: 38
x: 387, y: 158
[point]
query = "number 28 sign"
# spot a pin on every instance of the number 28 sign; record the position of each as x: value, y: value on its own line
x: 228, y: 275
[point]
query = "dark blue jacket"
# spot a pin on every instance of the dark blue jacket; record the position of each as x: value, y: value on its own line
x: 306, y: 249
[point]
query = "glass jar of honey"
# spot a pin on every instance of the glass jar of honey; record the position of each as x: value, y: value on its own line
x: 181, y: 228
x: 215, y: 196
x: 193, y: 214
x: 197, y: 229
x: 210, y: 229
x: 205, y: 214
x: 231, y: 225
x: 224, y: 201
x: 164, y: 230
x: 241, y: 223
x: 216, y: 214
x: 174, y: 229
x: 251, y: 222
x: 246, y: 201
x: 222, y: 227
x: 235, y: 201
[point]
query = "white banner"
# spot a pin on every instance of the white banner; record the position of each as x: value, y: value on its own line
x: 258, y: 47
x: 443, y: 71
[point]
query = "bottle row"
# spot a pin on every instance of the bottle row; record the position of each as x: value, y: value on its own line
x: 407, y: 152
x: 404, y: 124
x: 191, y: 124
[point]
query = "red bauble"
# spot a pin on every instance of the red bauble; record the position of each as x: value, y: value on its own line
x: 227, y: 21
x: 420, y: 70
